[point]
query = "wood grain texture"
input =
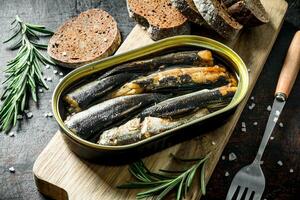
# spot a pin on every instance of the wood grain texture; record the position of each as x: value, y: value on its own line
x: 290, y: 67
x: 80, y: 179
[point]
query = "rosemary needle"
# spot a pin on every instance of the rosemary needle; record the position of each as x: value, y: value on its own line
x: 24, y: 71
x: 159, y: 185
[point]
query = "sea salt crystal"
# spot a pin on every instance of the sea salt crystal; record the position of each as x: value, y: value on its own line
x: 143, y: 27
x: 223, y: 157
x: 105, y: 39
x: 47, y: 66
x: 252, y: 98
x: 50, y: 114
x: 275, y: 119
x: 244, y: 130
x: 226, y: 173
x: 280, y: 124
x: 49, y: 79
x: 61, y: 74
x: 64, y: 53
x: 41, y: 90
x: 251, y: 106
x: 269, y: 108
x: 55, y: 71
x: 271, y: 138
x: 46, y: 115
x: 277, y: 112
x: 291, y: 171
x: 243, y: 124
x: 12, y: 170
x: 249, y: 70
x: 11, y: 134
x: 29, y: 115
x: 255, y: 123
x: 279, y: 162
x: 213, y: 143
x: 232, y: 156
x: 19, y: 117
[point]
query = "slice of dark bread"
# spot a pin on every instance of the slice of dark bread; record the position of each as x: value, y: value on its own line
x: 229, y: 3
x: 249, y: 12
x: 83, y: 39
x: 159, y: 17
x: 216, y: 16
x: 188, y: 9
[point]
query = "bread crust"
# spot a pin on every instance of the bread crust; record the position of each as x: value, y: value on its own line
x: 159, y: 31
x: 84, y: 39
x: 249, y: 12
x: 188, y: 9
x: 216, y: 16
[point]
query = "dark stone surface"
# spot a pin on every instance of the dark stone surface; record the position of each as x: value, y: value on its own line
x: 34, y: 134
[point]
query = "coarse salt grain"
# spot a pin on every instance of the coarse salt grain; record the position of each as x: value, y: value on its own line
x: 11, y: 134
x: 269, y: 108
x: 279, y: 162
x: 255, y: 123
x: 249, y: 70
x: 291, y: 171
x: 252, y: 98
x: 50, y: 114
x: 29, y: 115
x: 223, y: 157
x: 61, y: 74
x: 251, y: 106
x: 232, y: 156
x: 49, y: 79
x: 26, y: 111
x: 41, y: 90
x: 271, y: 138
x: 55, y: 71
x: 226, y: 173
x: 243, y: 124
x: 105, y: 39
x: 47, y: 66
x: 275, y: 119
x: 277, y: 112
x: 12, y: 169
x: 244, y: 129
x: 64, y: 53
x: 213, y: 143
x: 19, y: 117
x: 280, y: 124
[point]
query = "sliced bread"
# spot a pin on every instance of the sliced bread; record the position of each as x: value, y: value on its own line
x: 88, y: 37
x: 216, y: 16
x: 229, y: 3
x: 249, y: 12
x: 188, y: 9
x: 159, y: 17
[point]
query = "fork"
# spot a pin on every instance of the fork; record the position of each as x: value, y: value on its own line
x: 249, y: 182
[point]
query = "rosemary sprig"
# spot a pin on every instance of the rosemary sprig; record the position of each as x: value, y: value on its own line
x: 24, y: 71
x: 160, y: 184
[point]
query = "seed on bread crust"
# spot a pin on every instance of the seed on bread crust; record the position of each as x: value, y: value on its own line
x: 83, y: 39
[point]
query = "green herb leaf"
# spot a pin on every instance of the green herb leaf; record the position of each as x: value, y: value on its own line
x: 24, y: 71
x: 161, y: 184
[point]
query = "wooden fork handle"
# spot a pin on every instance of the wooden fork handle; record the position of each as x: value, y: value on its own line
x: 290, y: 68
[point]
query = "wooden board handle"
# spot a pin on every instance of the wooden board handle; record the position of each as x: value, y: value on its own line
x: 290, y: 67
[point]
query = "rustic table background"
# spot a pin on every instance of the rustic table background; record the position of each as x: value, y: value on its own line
x: 33, y: 134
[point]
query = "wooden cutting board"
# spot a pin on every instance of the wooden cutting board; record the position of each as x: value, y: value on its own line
x: 60, y: 174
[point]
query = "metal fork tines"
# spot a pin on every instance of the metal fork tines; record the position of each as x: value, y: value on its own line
x: 248, y: 183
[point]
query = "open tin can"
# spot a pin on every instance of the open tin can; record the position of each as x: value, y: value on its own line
x: 124, y: 153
